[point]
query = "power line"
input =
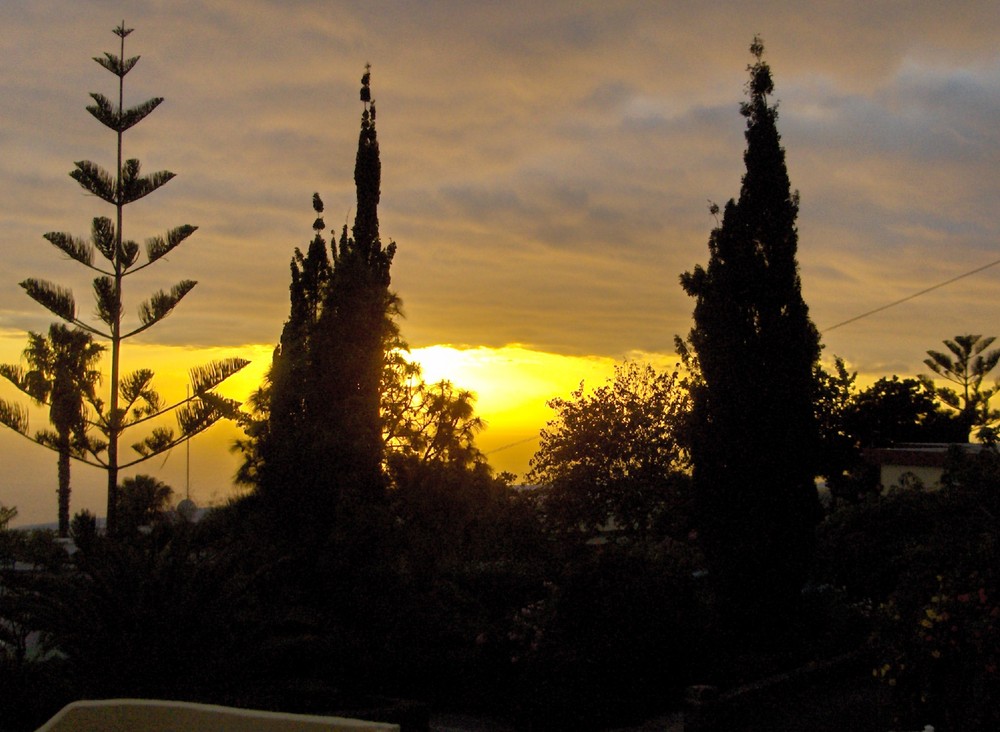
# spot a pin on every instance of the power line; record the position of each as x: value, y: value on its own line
x: 510, y: 445
x: 914, y: 295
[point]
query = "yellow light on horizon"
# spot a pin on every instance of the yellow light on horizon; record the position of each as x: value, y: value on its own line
x: 512, y: 384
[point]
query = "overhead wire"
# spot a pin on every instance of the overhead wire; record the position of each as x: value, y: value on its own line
x: 913, y: 296
x: 856, y: 318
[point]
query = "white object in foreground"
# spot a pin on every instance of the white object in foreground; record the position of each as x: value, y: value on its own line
x: 150, y: 715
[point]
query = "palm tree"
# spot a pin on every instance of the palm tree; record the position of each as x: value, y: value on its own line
x: 141, y: 500
x: 63, y: 375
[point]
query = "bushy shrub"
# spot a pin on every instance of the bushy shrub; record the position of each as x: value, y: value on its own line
x: 929, y: 561
x: 608, y: 641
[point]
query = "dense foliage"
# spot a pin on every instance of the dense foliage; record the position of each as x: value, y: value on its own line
x: 322, y: 452
x: 62, y: 373
x: 754, y: 437
x: 925, y: 562
x: 890, y: 412
x: 616, y: 459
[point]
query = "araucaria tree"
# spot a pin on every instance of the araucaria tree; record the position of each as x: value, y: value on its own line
x: 132, y: 400
x: 754, y: 435
x: 966, y: 366
x: 323, y: 444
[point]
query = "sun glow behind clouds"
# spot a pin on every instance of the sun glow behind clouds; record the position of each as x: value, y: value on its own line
x: 206, y: 467
x: 512, y: 386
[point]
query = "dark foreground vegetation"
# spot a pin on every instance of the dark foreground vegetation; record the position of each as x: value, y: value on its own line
x: 462, y: 601
x: 672, y: 535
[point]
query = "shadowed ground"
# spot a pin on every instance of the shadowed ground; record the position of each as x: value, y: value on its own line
x: 849, y: 702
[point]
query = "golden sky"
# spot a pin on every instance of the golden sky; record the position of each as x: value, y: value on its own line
x: 547, y: 169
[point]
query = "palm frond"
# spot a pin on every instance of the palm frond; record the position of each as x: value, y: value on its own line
x: 57, y: 300
x: 38, y: 387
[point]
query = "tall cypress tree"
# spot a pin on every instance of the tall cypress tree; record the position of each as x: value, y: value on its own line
x: 754, y: 431
x: 357, y: 325
x: 324, y: 438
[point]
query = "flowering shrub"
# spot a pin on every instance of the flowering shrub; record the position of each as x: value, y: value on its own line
x: 941, y: 658
x: 604, y: 642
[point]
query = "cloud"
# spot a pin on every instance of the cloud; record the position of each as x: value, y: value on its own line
x: 546, y: 168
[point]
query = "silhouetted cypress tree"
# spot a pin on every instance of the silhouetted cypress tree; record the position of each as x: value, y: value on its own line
x: 292, y: 400
x: 754, y: 443
x: 324, y: 439
x: 356, y: 324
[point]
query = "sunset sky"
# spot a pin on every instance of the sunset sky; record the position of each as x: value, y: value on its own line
x: 547, y: 173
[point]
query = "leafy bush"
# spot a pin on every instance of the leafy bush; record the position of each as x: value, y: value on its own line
x: 929, y: 561
x: 607, y: 641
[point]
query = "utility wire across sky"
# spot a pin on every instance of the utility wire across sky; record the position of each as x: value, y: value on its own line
x: 856, y: 318
x: 913, y: 296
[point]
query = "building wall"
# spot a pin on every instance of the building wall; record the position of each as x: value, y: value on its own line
x: 893, y: 476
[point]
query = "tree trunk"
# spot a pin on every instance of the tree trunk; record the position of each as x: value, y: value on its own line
x: 63, y: 490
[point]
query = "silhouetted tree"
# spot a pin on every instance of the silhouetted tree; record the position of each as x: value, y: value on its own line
x: 131, y: 397
x: 894, y: 410
x: 617, y: 455
x: 323, y: 444
x: 421, y: 422
x: 967, y: 365
x: 755, y: 433
x: 62, y: 374
x: 430, y: 422
x: 141, y: 501
x: 834, y: 392
x: 889, y: 412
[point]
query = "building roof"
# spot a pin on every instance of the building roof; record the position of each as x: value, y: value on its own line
x: 917, y: 454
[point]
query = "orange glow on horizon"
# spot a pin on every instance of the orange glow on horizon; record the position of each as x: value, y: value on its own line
x: 512, y: 384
